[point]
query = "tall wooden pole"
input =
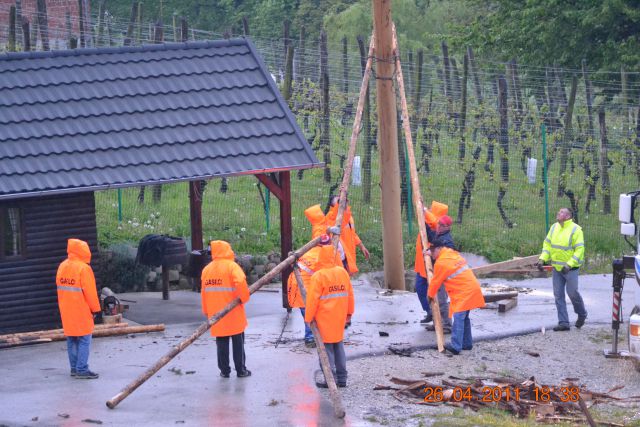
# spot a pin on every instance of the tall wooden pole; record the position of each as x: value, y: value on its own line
x: 393, y: 256
x: 417, y: 197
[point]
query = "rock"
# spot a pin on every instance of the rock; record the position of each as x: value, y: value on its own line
x: 246, y: 262
x: 260, y: 260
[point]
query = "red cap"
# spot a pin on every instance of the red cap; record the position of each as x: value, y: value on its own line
x: 446, y: 220
x: 325, y: 240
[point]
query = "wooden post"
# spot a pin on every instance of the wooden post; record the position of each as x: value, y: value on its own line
x: 100, y: 24
x: 288, y: 74
x: 26, y: 46
x: 165, y: 281
x: 366, y: 127
x: 286, y: 229
x: 195, y: 212
x: 131, y: 387
x: 184, y: 30
x: 393, y: 251
x: 139, y: 24
x: 604, y: 163
x: 592, y: 172
x: 245, y: 26
x: 43, y: 24
x: 417, y: 197
x: 132, y: 20
x: 504, y: 148
x: 19, y: 21
x: 11, y: 42
x: 462, y: 149
x: 81, y: 24
x: 325, y: 137
x: 322, y: 353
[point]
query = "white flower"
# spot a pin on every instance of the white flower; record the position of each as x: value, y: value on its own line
x: 243, y: 229
x: 113, y: 205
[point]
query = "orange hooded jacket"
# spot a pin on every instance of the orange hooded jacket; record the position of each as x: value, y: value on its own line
x: 348, y: 236
x: 438, y: 210
x: 330, y: 297
x: 307, y: 266
x: 77, y: 294
x: 223, y: 281
x: 459, y: 281
x: 317, y: 219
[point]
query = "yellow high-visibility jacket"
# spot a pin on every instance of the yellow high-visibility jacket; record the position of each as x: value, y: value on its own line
x: 564, y: 245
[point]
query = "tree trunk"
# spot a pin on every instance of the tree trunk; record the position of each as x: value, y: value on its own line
x: 43, y: 24
x: 417, y: 96
x: 184, y: 30
x: 11, y: 42
x: 567, y: 139
x: 463, y: 111
x: 604, y: 163
x: 288, y: 75
x: 81, y: 24
x: 504, y: 147
x: 592, y: 171
x: 100, y: 33
x: 26, y: 35
x: 325, y: 137
x: 366, y: 130
x: 446, y: 66
x: 474, y: 72
x: 551, y: 102
x: 132, y: 20
x: 19, y: 20
x: 348, y: 108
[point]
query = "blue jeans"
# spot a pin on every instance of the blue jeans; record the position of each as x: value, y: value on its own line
x: 78, y: 351
x: 421, y: 290
x: 308, y: 335
x: 461, y: 331
x: 569, y: 282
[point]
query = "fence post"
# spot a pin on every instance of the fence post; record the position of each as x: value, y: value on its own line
x: 267, y: 208
x: 119, y: 205
x: 409, y: 198
x: 545, y: 172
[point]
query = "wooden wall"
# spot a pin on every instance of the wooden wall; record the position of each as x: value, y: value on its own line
x: 28, y: 297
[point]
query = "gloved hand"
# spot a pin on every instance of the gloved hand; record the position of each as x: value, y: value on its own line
x: 566, y: 269
x: 539, y: 265
x: 334, y: 230
x: 348, y: 323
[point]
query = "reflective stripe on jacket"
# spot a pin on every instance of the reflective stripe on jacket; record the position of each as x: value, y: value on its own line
x: 307, y: 266
x: 564, y: 245
x: 77, y: 293
x: 431, y: 220
x: 223, y: 281
x: 329, y: 297
x: 452, y: 270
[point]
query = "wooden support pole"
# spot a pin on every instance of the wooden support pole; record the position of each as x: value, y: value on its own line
x: 417, y: 197
x: 322, y: 353
x: 195, y: 212
x: 165, y: 281
x: 393, y: 250
x: 286, y: 230
x: 355, y: 131
x: 130, y: 388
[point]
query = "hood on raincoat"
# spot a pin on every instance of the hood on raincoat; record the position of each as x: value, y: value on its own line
x: 221, y: 250
x: 79, y: 249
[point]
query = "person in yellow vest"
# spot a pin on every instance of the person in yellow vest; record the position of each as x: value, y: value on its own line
x: 348, y: 236
x: 77, y: 300
x: 223, y: 281
x: 564, y: 248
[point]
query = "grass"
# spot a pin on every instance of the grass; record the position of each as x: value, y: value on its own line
x: 238, y: 215
x: 484, y: 417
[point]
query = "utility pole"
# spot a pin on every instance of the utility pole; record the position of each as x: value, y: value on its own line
x: 388, y: 139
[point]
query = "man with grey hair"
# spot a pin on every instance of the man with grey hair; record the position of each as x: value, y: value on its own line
x: 564, y: 248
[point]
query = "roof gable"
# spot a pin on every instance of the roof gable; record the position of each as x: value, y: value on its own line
x: 98, y: 118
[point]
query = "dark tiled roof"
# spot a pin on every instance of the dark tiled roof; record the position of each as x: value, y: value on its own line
x: 98, y: 118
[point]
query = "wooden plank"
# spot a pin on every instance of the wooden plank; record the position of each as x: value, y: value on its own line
x: 499, y: 296
x: 417, y: 197
x: 505, y: 265
x: 507, y: 305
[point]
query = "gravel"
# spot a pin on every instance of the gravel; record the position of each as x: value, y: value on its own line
x: 574, y: 354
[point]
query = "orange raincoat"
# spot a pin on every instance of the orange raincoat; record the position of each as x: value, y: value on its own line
x: 307, y: 266
x: 348, y: 236
x: 223, y: 281
x: 317, y: 219
x: 77, y: 294
x: 330, y: 297
x: 438, y: 210
x: 459, y: 281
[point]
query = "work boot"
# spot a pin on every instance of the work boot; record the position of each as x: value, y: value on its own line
x: 559, y: 328
x: 322, y: 384
x: 428, y: 318
x: 73, y: 373
x: 86, y: 375
x: 224, y: 374
x: 445, y: 329
x: 580, y: 321
x: 450, y: 349
x: 342, y: 385
x: 245, y: 373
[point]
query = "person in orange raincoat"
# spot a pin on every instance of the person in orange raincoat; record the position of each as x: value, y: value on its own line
x: 223, y: 281
x: 331, y: 304
x: 348, y: 236
x: 438, y: 226
x: 452, y: 270
x: 77, y: 300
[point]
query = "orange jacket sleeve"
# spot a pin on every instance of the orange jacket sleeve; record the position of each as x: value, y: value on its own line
x: 440, y: 273
x: 313, y: 296
x: 89, y: 289
x: 240, y: 282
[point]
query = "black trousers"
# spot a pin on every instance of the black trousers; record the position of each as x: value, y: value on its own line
x: 222, y: 343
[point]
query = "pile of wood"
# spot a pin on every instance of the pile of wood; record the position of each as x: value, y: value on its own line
x: 107, y: 330
x: 522, y: 398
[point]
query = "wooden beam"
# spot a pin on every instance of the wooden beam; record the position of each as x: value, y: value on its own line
x: 417, y: 197
x: 271, y: 185
x: 195, y: 212
x: 505, y: 265
x: 504, y: 306
x: 286, y: 230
